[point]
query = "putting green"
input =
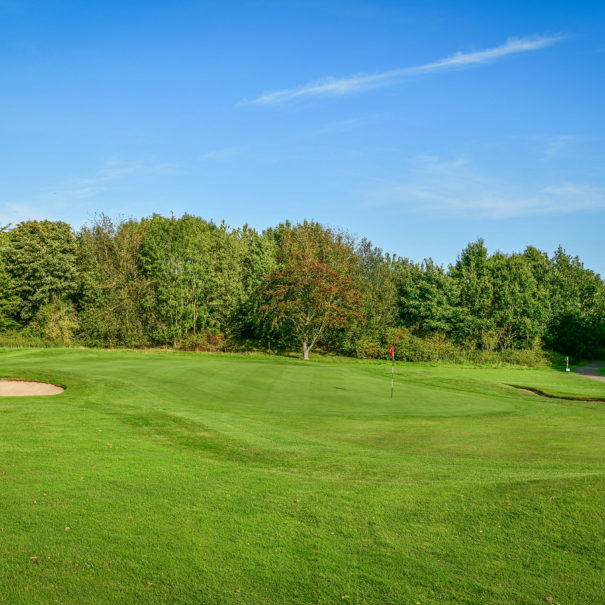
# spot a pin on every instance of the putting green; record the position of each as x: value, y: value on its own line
x: 161, y: 477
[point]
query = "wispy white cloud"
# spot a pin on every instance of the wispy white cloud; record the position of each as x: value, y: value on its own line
x: 340, y: 126
x: 11, y: 213
x: 361, y: 82
x: 555, y: 145
x: 571, y: 190
x: 458, y: 188
x: 511, y: 47
x: 112, y: 171
x: 75, y: 196
x: 220, y: 154
x: 81, y: 188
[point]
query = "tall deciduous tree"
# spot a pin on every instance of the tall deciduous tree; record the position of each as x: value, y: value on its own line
x: 519, y: 307
x: 428, y: 297
x: 311, y: 292
x: 10, y: 302
x: 196, y: 272
x: 578, y: 315
x: 113, y: 286
x: 257, y: 254
x: 42, y: 261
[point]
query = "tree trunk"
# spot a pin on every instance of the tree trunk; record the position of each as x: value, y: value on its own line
x: 306, y: 350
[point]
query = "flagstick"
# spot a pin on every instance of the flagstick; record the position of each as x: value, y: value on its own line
x: 392, y: 372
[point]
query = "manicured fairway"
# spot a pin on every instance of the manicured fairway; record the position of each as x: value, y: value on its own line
x: 183, y: 478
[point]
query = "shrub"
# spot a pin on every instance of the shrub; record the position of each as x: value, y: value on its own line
x: 56, y: 322
x: 369, y: 349
x: 410, y: 346
x: 210, y: 342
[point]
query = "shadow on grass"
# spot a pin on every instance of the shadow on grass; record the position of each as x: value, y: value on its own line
x: 567, y: 397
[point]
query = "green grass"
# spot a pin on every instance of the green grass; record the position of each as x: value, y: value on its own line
x: 184, y: 478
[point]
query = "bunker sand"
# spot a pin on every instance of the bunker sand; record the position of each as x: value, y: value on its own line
x: 27, y: 388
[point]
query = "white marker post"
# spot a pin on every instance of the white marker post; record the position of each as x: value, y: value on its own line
x: 567, y: 364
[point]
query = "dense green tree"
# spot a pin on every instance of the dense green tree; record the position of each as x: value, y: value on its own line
x: 429, y: 297
x: 175, y: 258
x: 112, y: 284
x: 10, y: 303
x: 475, y: 297
x: 540, y: 266
x: 375, y: 279
x: 574, y: 288
x: 519, y: 307
x: 503, y: 299
x: 258, y: 260
x: 196, y: 271
x: 41, y: 258
x: 577, y: 324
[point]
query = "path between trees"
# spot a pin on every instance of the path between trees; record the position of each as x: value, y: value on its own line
x: 591, y: 370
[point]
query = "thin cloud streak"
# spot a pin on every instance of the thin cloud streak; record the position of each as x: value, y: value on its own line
x: 12, y: 214
x: 362, y: 82
x: 458, y: 188
x: 78, y: 190
x: 220, y: 154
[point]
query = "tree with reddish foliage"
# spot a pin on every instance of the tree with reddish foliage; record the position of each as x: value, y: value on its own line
x: 310, y: 291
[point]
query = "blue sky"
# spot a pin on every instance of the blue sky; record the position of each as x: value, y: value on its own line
x: 420, y: 125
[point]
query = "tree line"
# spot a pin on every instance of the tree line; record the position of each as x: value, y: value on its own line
x: 189, y: 283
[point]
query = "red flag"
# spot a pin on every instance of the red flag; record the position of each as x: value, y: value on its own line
x: 392, y: 351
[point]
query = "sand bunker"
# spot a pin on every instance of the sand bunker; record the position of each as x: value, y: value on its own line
x: 27, y: 388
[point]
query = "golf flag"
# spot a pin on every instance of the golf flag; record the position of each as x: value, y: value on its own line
x: 392, y: 351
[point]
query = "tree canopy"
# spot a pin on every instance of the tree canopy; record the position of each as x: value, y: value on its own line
x: 310, y: 292
x: 189, y: 283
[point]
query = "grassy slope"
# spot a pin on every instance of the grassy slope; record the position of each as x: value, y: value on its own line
x: 184, y: 478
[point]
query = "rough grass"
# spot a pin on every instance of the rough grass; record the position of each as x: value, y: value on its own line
x: 187, y: 478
